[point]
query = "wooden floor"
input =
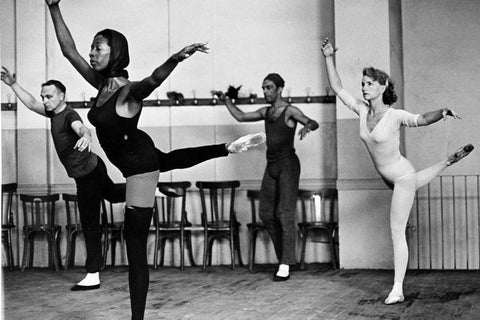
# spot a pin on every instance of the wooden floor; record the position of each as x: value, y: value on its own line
x: 220, y: 293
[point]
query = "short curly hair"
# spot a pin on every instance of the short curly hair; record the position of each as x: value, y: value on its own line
x: 389, y: 96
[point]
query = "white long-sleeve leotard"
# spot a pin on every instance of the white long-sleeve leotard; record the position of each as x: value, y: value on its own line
x: 383, y: 142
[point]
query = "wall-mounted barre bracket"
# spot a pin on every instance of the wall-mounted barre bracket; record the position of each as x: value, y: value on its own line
x: 196, y: 102
x: 7, y: 106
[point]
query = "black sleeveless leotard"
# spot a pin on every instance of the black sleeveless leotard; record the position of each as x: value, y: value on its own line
x: 131, y: 150
x: 280, y: 137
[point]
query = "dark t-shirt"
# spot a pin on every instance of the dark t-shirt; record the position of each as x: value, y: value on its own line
x: 64, y: 137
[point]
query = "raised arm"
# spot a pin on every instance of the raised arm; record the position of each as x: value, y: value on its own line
x: 238, y: 114
x: 308, y: 124
x: 68, y: 47
x: 434, y: 116
x: 142, y: 89
x: 27, y: 99
x: 333, y: 78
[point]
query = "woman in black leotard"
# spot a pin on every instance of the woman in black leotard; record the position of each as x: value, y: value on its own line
x: 115, y: 115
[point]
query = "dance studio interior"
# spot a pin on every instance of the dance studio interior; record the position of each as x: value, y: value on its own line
x: 345, y: 265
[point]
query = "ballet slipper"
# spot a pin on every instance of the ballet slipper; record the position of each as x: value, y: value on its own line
x: 244, y: 143
x: 460, y: 154
x: 393, y: 299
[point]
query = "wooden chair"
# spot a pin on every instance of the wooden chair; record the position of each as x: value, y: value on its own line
x: 321, y: 219
x: 113, y: 231
x: 254, y: 226
x: 170, y: 221
x: 218, y: 218
x: 7, y: 221
x: 39, y: 218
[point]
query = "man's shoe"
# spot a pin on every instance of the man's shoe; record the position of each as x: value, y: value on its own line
x: 84, y: 288
x: 280, y: 279
x: 246, y: 142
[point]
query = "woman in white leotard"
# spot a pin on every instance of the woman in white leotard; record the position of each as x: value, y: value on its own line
x: 380, y: 131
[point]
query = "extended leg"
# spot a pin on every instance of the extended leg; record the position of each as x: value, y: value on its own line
x: 189, y: 157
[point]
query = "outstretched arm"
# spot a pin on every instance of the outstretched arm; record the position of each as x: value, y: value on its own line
x: 434, y: 116
x: 142, y: 89
x: 68, y: 47
x: 308, y: 124
x: 82, y: 131
x: 27, y: 99
x: 238, y: 114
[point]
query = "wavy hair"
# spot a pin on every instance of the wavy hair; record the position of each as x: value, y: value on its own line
x: 389, y: 96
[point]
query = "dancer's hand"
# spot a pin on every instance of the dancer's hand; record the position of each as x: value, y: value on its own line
x: 7, y: 77
x: 51, y: 2
x: 221, y: 96
x: 82, y: 144
x: 303, y: 132
x: 449, y: 112
x: 189, y: 50
x: 327, y: 48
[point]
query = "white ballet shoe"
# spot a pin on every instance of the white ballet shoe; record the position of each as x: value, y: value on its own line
x: 392, y: 299
x: 246, y: 142
x: 460, y: 154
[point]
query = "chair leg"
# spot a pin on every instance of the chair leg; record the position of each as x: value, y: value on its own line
x: 205, y: 250
x: 155, y: 253
x: 11, y: 265
x: 332, y: 250
x: 53, y: 246
x: 25, y: 252
x: 32, y: 249
x: 253, y: 239
x: 210, y: 250
x: 232, y: 247
x: 304, y: 235
x: 105, y: 252
x: 59, y: 255
x: 113, y: 249
x: 190, y: 249
x: 237, y: 246
x: 69, y: 249
x: 182, y: 249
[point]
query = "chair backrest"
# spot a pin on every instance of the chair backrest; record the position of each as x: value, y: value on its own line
x: 166, y: 206
x: 71, y: 208
x: 39, y: 209
x: 318, y: 205
x: 254, y: 197
x: 221, y: 200
x: 8, y: 190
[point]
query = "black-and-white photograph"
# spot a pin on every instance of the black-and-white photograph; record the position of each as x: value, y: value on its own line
x: 226, y: 159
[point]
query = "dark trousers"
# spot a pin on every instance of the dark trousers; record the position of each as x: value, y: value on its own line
x: 278, y: 202
x: 91, y: 189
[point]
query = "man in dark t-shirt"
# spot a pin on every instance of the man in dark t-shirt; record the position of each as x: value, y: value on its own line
x: 72, y: 142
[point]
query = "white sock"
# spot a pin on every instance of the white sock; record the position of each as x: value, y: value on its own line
x: 91, y: 279
x: 283, y: 270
